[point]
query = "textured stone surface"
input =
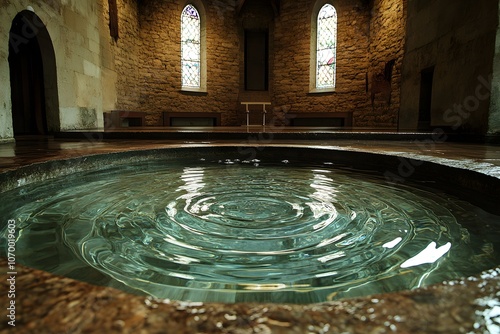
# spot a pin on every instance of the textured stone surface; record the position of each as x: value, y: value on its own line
x: 387, y: 39
x: 160, y: 67
x: 50, y: 304
x: 293, y: 51
x: 126, y: 53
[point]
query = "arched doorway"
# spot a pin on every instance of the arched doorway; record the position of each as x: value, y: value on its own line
x: 33, y: 79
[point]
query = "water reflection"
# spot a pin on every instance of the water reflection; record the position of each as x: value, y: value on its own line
x: 206, y: 231
x: 429, y: 255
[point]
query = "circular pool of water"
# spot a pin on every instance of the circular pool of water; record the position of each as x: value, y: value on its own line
x: 228, y: 228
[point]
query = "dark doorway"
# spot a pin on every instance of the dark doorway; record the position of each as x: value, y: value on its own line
x: 32, y: 75
x: 256, y: 60
x: 425, y: 101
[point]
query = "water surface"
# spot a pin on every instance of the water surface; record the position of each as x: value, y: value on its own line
x: 231, y: 230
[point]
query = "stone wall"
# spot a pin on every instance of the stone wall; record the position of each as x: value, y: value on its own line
x: 78, y: 35
x: 6, y: 130
x: 292, y: 71
x: 494, y: 117
x: 387, y: 39
x: 141, y: 69
x: 289, y: 59
x: 458, y: 39
x: 160, y: 68
x: 256, y: 15
x: 122, y: 57
x: 77, y: 32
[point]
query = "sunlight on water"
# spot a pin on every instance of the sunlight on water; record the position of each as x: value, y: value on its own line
x: 247, y: 231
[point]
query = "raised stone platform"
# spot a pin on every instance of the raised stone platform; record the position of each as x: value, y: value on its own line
x: 46, y: 303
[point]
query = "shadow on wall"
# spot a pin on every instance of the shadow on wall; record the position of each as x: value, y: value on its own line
x: 381, y: 83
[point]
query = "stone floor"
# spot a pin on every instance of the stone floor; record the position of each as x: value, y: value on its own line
x: 45, y: 303
x: 28, y: 150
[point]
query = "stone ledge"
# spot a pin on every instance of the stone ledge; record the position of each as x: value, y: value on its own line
x: 47, y: 303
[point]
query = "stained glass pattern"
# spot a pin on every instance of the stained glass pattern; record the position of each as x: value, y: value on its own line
x: 326, y: 60
x: 190, y: 47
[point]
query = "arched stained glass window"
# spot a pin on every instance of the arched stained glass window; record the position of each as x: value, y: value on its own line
x: 190, y: 47
x: 326, y: 47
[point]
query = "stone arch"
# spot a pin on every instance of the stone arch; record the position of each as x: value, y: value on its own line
x: 33, y: 76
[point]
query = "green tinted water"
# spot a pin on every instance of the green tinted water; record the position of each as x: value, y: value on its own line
x: 247, y: 231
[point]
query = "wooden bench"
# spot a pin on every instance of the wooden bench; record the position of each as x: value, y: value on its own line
x: 321, y: 119
x: 124, y: 118
x: 191, y: 118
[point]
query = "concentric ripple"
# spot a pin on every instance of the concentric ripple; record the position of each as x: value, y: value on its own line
x: 247, y: 231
